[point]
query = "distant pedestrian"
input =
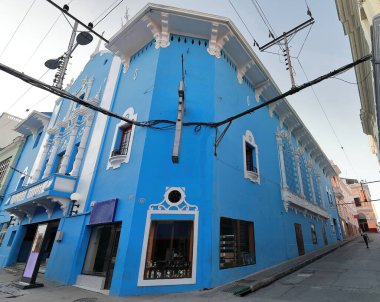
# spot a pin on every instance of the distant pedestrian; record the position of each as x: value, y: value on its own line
x: 365, y: 237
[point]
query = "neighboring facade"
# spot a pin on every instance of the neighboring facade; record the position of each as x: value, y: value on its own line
x: 11, y: 143
x: 356, y: 17
x: 367, y: 216
x: 122, y: 217
x: 345, y: 204
x: 7, y: 133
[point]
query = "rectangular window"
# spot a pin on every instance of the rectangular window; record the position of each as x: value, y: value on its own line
x: 4, y: 168
x: 357, y: 202
x: 313, y: 233
x: 124, y: 138
x: 237, y: 244
x: 37, y: 140
x: 3, y: 231
x: 250, y: 155
x: 170, y: 250
x: 10, y: 241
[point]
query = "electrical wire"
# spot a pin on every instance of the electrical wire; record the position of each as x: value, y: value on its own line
x: 328, y: 120
x: 304, y: 41
x: 154, y: 123
x: 103, y: 12
x: 41, y: 41
x: 354, y: 83
x: 17, y: 28
x: 25, y: 92
x: 109, y: 12
x: 241, y: 19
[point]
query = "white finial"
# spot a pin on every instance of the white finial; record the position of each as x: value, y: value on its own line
x: 96, y: 51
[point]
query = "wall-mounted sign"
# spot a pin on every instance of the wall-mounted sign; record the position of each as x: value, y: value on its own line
x: 29, y: 275
x: 103, y: 212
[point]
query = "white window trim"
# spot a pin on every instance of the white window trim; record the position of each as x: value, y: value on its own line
x: 252, y: 176
x: 115, y: 162
x: 166, y: 207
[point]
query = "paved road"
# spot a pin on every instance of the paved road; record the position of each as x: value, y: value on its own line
x: 351, y: 273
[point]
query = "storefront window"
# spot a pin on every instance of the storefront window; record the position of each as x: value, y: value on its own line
x: 237, y: 246
x: 169, y: 253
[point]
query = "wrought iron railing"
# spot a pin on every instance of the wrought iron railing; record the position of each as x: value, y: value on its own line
x: 119, y: 151
x: 172, y: 269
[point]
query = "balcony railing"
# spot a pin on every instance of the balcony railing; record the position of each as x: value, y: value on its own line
x: 56, y: 184
x: 119, y: 151
x: 172, y: 269
x: 291, y: 199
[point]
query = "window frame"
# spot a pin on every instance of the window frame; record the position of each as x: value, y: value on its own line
x: 115, y: 159
x: 237, y: 223
x: 314, y: 238
x: 254, y: 176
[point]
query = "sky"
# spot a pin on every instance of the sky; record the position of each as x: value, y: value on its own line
x: 44, y: 34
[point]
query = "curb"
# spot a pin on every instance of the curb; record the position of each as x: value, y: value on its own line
x: 269, y: 280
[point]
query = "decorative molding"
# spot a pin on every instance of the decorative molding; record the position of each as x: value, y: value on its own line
x: 63, y: 202
x: 259, y: 89
x: 241, y: 70
x: 251, y: 175
x: 216, y: 43
x: 116, y: 160
x: 161, y: 35
x: 182, y: 207
x: 293, y: 200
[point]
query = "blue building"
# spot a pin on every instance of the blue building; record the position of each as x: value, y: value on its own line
x: 117, y: 215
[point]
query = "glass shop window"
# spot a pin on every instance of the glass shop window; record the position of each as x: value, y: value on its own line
x: 237, y: 243
x: 170, y: 250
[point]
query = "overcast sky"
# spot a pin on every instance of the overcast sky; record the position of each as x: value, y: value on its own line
x: 325, y: 50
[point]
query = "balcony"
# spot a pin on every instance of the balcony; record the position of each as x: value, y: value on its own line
x: 46, y: 193
x: 338, y: 192
x: 299, y: 203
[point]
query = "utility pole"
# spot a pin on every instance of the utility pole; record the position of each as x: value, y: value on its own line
x: 284, y: 37
x: 290, y: 68
x: 60, y: 75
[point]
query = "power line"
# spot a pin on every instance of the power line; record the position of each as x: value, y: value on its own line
x: 42, y: 40
x: 25, y: 92
x: 354, y: 83
x: 153, y: 123
x: 17, y: 28
x: 109, y: 12
x: 241, y: 19
x: 327, y: 118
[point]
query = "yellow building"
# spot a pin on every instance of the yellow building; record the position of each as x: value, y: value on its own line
x: 356, y: 17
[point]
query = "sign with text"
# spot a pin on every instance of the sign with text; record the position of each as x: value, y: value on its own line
x: 32, y: 265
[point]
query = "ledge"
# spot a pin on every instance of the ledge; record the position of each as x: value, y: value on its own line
x: 292, y: 200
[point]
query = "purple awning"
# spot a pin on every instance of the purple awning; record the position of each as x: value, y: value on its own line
x: 103, y: 212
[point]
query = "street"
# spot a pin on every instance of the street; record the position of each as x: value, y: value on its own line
x: 351, y: 273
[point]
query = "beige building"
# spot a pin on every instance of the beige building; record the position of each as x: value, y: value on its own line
x: 345, y: 204
x: 356, y: 17
x: 11, y: 143
x: 367, y: 216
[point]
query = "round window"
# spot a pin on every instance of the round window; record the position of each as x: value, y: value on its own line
x: 174, y: 196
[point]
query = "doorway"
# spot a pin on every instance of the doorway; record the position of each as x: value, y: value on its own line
x: 101, y: 252
x: 299, y: 238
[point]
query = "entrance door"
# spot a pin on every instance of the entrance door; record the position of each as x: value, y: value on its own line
x: 324, y: 235
x: 101, y: 252
x: 299, y: 237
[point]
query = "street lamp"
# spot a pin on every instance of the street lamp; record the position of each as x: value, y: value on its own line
x: 61, y: 63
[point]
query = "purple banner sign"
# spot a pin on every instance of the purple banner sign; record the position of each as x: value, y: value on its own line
x: 29, y: 268
x: 103, y: 212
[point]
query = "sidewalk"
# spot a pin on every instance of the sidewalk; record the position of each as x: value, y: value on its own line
x: 56, y: 292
